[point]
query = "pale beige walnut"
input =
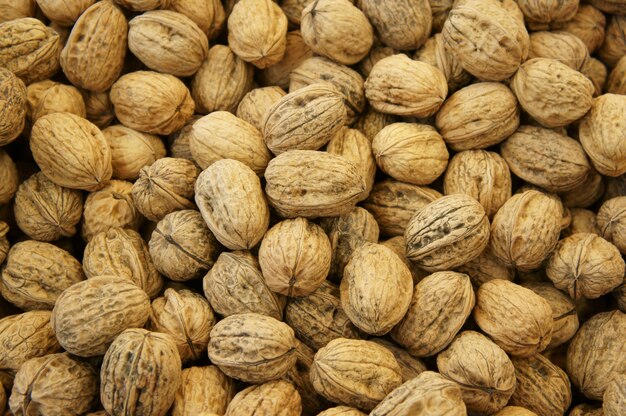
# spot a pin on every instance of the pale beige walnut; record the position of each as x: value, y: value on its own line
x: 435, y: 53
x: 400, y: 24
x: 102, y: 27
x: 486, y: 267
x: 122, y: 252
x: 131, y: 150
x: 36, y: 273
x: 235, y: 285
x: 312, y: 402
x: 207, y: 14
x: 563, y: 46
x: 440, y: 10
x: 411, y: 152
x: 542, y: 387
x: 482, y: 369
x: 596, y: 71
x: 410, y: 366
x: 13, y: 106
x: 341, y: 411
x: 151, y: 102
x: 586, y: 193
x: 46, y: 97
x: 515, y: 411
x: 609, y: 6
x: 64, y: 13
x: 526, y: 229
x: 187, y: 317
x: 447, y: 233
x: 516, y: 318
x: 203, y: 391
x: 440, y: 305
x: 401, y: 86
x: 489, y: 40
x: 548, y: 11
x: 614, y: 45
x: 614, y: 398
x: 253, y: 348
x: 616, y: 83
x: 4, y: 242
x: 98, y: 107
x: 309, y: 183
x: 178, y: 142
x: 255, y: 103
x: 377, y: 53
x: 182, y: 247
x: 583, y: 221
x: 164, y: 187
x: 143, y: 5
x: 398, y: 245
x: 221, y: 135
x: 293, y: 9
x: 89, y: 315
x: 355, y: 373
x: 429, y: 392
x: 296, y: 52
x: 587, y: 24
x: 16, y: 9
x: 612, y: 222
x: 9, y: 180
x: 140, y: 374
x: 586, y: 410
x: 221, y: 82
x: 29, y: 49
x: 393, y: 203
x: 231, y: 200
x: 372, y: 121
x: 278, y: 397
x: 602, y: 133
x: 305, y: 119
x: 71, y: 151
x: 53, y: 385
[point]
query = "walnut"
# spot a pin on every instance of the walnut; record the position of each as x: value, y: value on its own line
x: 376, y: 54
x: 143, y: 5
x: 293, y: 9
x: 616, y: 83
x: 398, y: 245
x: 537, y: 11
x: 586, y: 410
x: 98, y: 107
x: 46, y: 97
x: 587, y: 24
x: 341, y: 411
x: 564, y: 47
x: 208, y: 15
x: 8, y: 178
x: 296, y: 52
x: 277, y: 397
x: 403, y: 24
x: 4, y: 242
x: 583, y: 221
x: 179, y: 140
x: 612, y: 220
x: 440, y: 10
x: 515, y: 411
x: 614, y: 398
x: 12, y: 106
x: 299, y: 377
x: 203, y: 391
x: 615, y: 186
x: 486, y: 267
x: 63, y: 13
x: 131, y: 150
x: 435, y: 53
x: 597, y: 73
x: 614, y: 45
x: 410, y: 366
x: 255, y: 103
x: 16, y: 9
x: 586, y: 193
x: 372, y: 121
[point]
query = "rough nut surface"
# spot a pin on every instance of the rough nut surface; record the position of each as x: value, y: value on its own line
x: 278, y: 397
x: 614, y: 398
x: 46, y: 97
x: 203, y: 390
x: 9, y: 180
x: 12, y: 106
x: 612, y: 222
x: 296, y: 52
x: 562, y: 46
x: 255, y: 103
x: 131, y: 150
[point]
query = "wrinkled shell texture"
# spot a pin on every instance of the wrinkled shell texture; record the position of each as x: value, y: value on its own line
x: 203, y: 390
x: 277, y: 397
x: 410, y: 366
x: 435, y: 53
x: 296, y: 52
x: 131, y: 150
x: 400, y: 24
x: 562, y: 46
x: 612, y: 222
x: 8, y: 175
x: 253, y: 105
x: 486, y: 267
x: 12, y: 106
x: 47, y: 97
x: 614, y: 398
x: 547, y: 12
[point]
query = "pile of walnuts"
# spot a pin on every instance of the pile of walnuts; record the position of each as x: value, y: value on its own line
x: 312, y: 207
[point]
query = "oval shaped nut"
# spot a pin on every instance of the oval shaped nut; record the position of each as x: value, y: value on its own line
x: 231, y: 200
x: 429, y: 392
x: 143, y: 5
x: 537, y: 11
x: 583, y: 221
x: 404, y: 87
x: 586, y: 193
x: 563, y: 46
x: 486, y: 267
x: 614, y: 44
x: 208, y: 15
x: 516, y: 318
x: 343, y: 372
x: 17, y: 9
x: 478, y: 116
x: 490, y: 41
x: 612, y: 222
x: 179, y: 140
x: 221, y: 135
x: 255, y: 103
x: 597, y: 73
x: 614, y: 398
x: 602, y: 132
x: 588, y: 24
x: 253, y: 348
x: 376, y: 288
x: 515, y: 411
x: 278, y: 397
x: 131, y: 150
x: 295, y: 257
x: 305, y: 119
x: 440, y: 306
x: 140, y: 373
x: 9, y: 180
x: 411, y: 366
x: 372, y: 121
x: 89, y: 315
x: 308, y: 183
x: 435, y: 53
x: 62, y: 13
x: 299, y: 377
x: 84, y: 162
x: 203, y: 390
x: 400, y: 24
x: 377, y: 53
x: 167, y: 41
x: 98, y: 107
x: 13, y: 106
x: 296, y: 52
x: 341, y: 411
x: 616, y: 83
x: 447, y: 233
x: 46, y: 97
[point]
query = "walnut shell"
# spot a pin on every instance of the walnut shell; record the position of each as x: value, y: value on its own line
x: 12, y: 106
x: 203, y: 391
x: 341, y: 411
x: 614, y: 45
x: 377, y: 53
x: 588, y: 25
x: 612, y: 220
x: 299, y: 377
x: 179, y: 140
x: 4, y: 242
x: 400, y: 24
x: 296, y: 52
x: 64, y: 13
x: 614, y: 398
x: 278, y: 397
x: 16, y: 9
x: 440, y: 305
x: 131, y: 150
x: 435, y: 53
x: 98, y: 107
x: 372, y: 121
x: 486, y: 267
x: 143, y: 5
x: 253, y: 348
x: 583, y: 221
x: 46, y: 97
x: 9, y: 179
x: 564, y: 47
x: 140, y: 373
x: 586, y: 410
x: 398, y: 245
x: 536, y: 11
x: 255, y: 103
x: 586, y: 193
x: 205, y: 14
x: 515, y: 411
x: 597, y: 73
x: 410, y: 366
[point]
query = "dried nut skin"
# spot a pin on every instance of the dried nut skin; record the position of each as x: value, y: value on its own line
x: 376, y: 288
x: 255, y: 103
x: 435, y: 53
x: 486, y: 267
x: 401, y: 86
x: 52, y: 385
x: 257, y: 31
x: 94, y: 54
x: 84, y: 162
x: 602, y: 134
x: 400, y: 24
x: 526, y: 229
x: 541, y: 386
x: 341, y: 411
x: 588, y: 24
x: 308, y: 183
x: 614, y: 398
x: 140, y: 374
x: 89, y: 315
x: 131, y: 150
x: 440, y: 305
x: 551, y: 92
x: 221, y: 82
x: 478, y: 116
x: 305, y: 119
x: 203, y: 391
x: 278, y: 397
x: 612, y: 222
x: 562, y: 46
x: 597, y: 353
x: 29, y: 49
x: 490, y: 42
x: 221, y: 135
x: 583, y: 221
x: 482, y: 369
x: 12, y: 106
x: 355, y: 373
x: 231, y: 200
x: 46, y: 211
x: 46, y: 97
x: 296, y: 52
x: 295, y: 257
x: 337, y: 30
x: 428, y: 393
x: 167, y: 41
x: 516, y: 318
x: 235, y: 285
x: 253, y: 348
x: 447, y: 233
x: 151, y: 102
x: 616, y: 83
x: 410, y: 152
x: 372, y: 121
x: 597, y: 72
x: 179, y: 140
x: 122, y: 252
